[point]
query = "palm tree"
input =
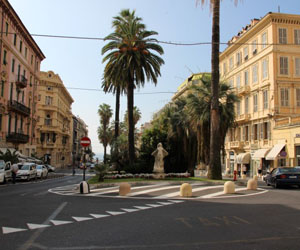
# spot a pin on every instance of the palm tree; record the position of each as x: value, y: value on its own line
x: 131, y: 61
x: 136, y: 116
x: 215, y: 170
x: 104, y: 134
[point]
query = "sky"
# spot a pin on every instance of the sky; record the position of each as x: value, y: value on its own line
x: 79, y: 62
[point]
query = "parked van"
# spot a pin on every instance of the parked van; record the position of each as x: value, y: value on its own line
x: 5, y: 171
x: 27, y: 172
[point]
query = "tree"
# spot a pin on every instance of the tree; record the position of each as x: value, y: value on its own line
x: 215, y: 170
x: 131, y: 60
x: 104, y: 133
x: 136, y: 116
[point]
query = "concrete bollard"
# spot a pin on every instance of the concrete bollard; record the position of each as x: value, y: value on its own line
x: 124, y: 189
x: 255, y: 177
x: 84, y: 187
x: 244, y: 176
x: 185, y: 190
x: 229, y: 187
x: 252, y: 184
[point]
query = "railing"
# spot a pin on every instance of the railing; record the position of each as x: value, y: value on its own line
x: 18, y: 107
x: 243, y: 90
x: 236, y: 144
x: 17, y: 137
x: 21, y: 82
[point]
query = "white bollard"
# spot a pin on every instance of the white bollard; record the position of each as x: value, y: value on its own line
x: 252, y: 184
x: 185, y: 190
x: 229, y: 187
x: 124, y: 189
x: 84, y: 187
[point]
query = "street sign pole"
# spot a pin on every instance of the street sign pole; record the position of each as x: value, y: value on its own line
x: 84, y: 164
x: 84, y: 186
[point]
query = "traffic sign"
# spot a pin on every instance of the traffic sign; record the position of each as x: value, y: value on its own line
x: 85, y: 141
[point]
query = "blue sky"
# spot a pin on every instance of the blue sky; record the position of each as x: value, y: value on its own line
x: 79, y: 62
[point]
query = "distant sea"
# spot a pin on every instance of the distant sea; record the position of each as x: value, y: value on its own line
x: 99, y: 156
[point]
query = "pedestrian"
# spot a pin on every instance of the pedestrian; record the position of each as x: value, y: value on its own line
x: 244, y: 169
x: 74, y: 170
x: 14, y: 171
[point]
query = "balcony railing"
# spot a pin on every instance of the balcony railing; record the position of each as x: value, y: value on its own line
x: 243, y: 90
x: 18, y: 107
x: 21, y: 82
x: 236, y: 144
x: 17, y: 137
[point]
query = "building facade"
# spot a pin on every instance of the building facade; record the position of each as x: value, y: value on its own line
x: 20, y: 59
x: 55, y: 123
x: 262, y: 64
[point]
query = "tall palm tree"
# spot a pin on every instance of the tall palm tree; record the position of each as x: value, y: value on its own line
x: 131, y: 60
x: 104, y: 134
x: 136, y: 116
x: 215, y: 170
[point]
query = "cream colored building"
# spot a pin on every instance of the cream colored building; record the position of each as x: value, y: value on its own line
x: 55, y: 123
x: 262, y: 63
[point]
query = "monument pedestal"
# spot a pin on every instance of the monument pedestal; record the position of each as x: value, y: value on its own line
x: 159, y: 175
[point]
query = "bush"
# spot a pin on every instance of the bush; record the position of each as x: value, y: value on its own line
x: 101, y: 170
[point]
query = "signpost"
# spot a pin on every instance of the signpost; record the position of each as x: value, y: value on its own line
x: 84, y: 142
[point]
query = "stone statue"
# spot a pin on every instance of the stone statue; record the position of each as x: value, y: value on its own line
x: 160, y: 153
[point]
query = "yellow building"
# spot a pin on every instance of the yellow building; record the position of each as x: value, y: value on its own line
x: 262, y: 63
x: 55, y: 123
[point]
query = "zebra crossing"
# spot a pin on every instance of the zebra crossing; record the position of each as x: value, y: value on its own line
x: 160, y: 191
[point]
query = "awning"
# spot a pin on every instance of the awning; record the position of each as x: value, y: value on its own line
x: 260, y: 153
x: 243, y: 158
x: 274, y: 152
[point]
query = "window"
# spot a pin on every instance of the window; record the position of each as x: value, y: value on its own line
x: 26, y: 52
x: 282, y: 36
x: 297, y: 36
x: 0, y: 122
x: 284, y: 66
x: 48, y: 100
x: 2, y: 88
x: 245, y: 53
x: 238, y: 81
x: 21, y: 44
x: 254, y: 74
x: 230, y: 82
x: 15, y: 39
x: 4, y: 57
x: 231, y: 63
x: 48, y: 120
x: 264, y: 40
x: 246, y: 105
x: 39, y: 97
x: 246, y: 77
x: 265, y: 99
x: 298, y: 97
x: 284, y: 97
x: 238, y: 108
x: 49, y: 88
x: 254, y: 47
x: 6, y: 28
x: 297, y: 66
x: 255, y: 104
x: 238, y: 58
x: 13, y: 65
x: 224, y: 68
x: 255, y: 132
x: 265, y: 68
x: 31, y: 59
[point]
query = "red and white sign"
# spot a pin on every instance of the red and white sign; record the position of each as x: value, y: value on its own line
x: 85, y: 141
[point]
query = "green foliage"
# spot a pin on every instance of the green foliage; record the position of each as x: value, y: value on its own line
x: 101, y: 169
x: 9, y: 156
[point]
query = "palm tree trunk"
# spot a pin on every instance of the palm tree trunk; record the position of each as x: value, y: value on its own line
x: 104, y: 156
x: 117, y: 114
x: 130, y: 105
x: 215, y: 161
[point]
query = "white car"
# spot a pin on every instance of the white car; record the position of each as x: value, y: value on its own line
x: 27, y: 172
x: 42, y: 171
x: 50, y: 168
x: 5, y: 171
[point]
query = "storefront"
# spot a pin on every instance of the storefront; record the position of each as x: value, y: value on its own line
x: 259, y: 164
x: 243, y: 162
x: 277, y: 156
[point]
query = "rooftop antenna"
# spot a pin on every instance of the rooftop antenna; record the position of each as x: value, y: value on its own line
x: 278, y: 8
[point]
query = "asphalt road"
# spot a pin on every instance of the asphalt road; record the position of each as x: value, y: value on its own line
x: 266, y: 221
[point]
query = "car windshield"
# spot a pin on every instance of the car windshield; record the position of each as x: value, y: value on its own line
x: 289, y: 170
x: 25, y: 167
x: 2, y: 164
x: 39, y: 167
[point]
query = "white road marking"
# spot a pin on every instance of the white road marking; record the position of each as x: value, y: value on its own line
x: 153, y: 190
x: 81, y: 218
x: 8, y: 230
x: 218, y: 193
x: 154, y: 205
x: 60, y: 222
x: 165, y: 203
x: 114, y: 212
x: 97, y: 216
x: 175, y: 201
x: 36, y: 226
x: 129, y: 210
x: 142, y: 207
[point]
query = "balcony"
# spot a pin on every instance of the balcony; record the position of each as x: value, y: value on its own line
x: 18, y: 107
x: 243, y: 90
x: 21, y: 82
x: 17, y: 137
x: 243, y: 118
x: 236, y: 144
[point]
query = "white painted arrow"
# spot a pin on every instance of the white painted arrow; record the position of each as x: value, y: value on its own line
x: 8, y: 230
x: 99, y: 215
x: 129, y: 210
x: 36, y: 226
x: 60, y: 222
x: 82, y: 218
x: 142, y: 207
x: 114, y: 213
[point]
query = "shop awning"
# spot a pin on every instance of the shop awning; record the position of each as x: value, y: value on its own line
x: 260, y: 153
x: 243, y: 158
x: 274, y: 152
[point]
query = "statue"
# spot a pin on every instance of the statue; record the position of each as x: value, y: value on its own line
x: 160, y: 153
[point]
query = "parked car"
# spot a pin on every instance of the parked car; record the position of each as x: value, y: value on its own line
x: 27, y: 172
x: 283, y: 176
x: 50, y: 168
x: 42, y: 171
x: 5, y: 171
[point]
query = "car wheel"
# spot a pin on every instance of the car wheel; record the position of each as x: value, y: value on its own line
x: 4, y: 180
x: 268, y: 184
x: 276, y: 185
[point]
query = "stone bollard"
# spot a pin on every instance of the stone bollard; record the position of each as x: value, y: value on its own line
x: 229, y: 187
x: 252, y: 184
x: 84, y: 187
x: 255, y: 177
x: 124, y: 189
x: 185, y: 190
x: 244, y: 176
